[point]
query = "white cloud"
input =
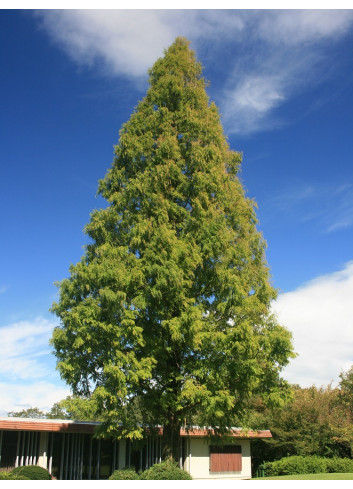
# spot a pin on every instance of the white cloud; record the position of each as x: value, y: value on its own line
x: 41, y: 394
x: 24, y: 349
x: 121, y: 42
x: 269, y: 55
x: 320, y: 316
x: 27, y: 368
x: 286, y: 54
x: 250, y: 101
x: 294, y: 27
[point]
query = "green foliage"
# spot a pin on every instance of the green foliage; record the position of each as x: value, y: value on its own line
x: 167, y: 315
x: 32, y: 472
x: 28, y: 413
x: 13, y: 477
x: 75, y: 408
x: 307, y: 465
x: 124, y: 475
x: 58, y: 412
x: 346, y: 389
x: 340, y: 465
x: 165, y: 471
x: 315, y: 421
x: 296, y: 465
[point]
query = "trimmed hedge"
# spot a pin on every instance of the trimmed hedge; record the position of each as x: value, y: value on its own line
x: 165, y: 471
x: 307, y: 465
x: 124, y: 475
x: 32, y: 472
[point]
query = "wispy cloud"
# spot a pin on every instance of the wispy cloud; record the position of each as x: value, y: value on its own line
x: 320, y: 316
x: 40, y: 394
x: 27, y: 368
x: 24, y: 349
x: 286, y: 54
x: 270, y: 54
x: 295, y: 27
x: 328, y: 207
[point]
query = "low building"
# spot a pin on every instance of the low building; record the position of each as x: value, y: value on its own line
x: 69, y: 450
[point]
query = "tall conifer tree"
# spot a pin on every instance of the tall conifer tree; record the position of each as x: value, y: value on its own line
x: 166, y: 317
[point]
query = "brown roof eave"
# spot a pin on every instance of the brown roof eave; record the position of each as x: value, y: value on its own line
x: 236, y: 433
x: 21, y: 424
x: 41, y: 425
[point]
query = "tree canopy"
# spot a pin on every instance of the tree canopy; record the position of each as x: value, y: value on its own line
x: 166, y: 318
x: 315, y: 421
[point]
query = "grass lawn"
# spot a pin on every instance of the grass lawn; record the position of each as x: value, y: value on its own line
x: 305, y: 477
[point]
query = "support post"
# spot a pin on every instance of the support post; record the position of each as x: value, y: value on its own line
x: 23, y: 449
x: 1, y: 434
x: 51, y: 453
x: 81, y: 458
x: 67, y: 456
x: 98, y: 459
x: 18, y: 449
x: 114, y: 456
x: 90, y: 458
x: 35, y: 450
x: 71, y: 455
x: 31, y: 449
x: 62, y: 455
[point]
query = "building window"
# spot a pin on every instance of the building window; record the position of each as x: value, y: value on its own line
x: 226, y: 458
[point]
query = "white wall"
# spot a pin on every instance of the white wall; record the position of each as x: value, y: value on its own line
x: 197, y: 461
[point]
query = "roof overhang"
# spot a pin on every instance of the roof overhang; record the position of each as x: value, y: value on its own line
x: 233, y: 432
x: 53, y: 425
x: 66, y: 426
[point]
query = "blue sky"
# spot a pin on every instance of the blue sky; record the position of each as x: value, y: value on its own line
x: 283, y: 81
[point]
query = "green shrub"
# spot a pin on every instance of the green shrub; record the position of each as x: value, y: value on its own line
x: 12, y: 477
x: 124, y: 475
x: 296, y: 465
x: 32, y: 472
x: 340, y: 465
x: 308, y: 465
x: 165, y: 471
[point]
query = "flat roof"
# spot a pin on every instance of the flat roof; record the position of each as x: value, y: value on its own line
x: 39, y: 424
x: 70, y: 426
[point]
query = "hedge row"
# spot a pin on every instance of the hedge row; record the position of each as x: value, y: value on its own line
x: 162, y: 471
x: 307, y: 465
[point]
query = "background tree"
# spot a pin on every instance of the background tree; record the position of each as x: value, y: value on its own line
x: 315, y: 421
x: 169, y: 307
x: 75, y: 408
x: 346, y: 389
x: 27, y: 413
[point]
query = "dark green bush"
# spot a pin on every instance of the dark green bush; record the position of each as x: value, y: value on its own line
x: 12, y: 477
x: 307, y: 465
x: 33, y: 472
x: 124, y: 475
x: 165, y: 471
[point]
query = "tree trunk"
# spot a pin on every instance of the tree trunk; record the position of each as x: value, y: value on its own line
x: 171, y: 438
